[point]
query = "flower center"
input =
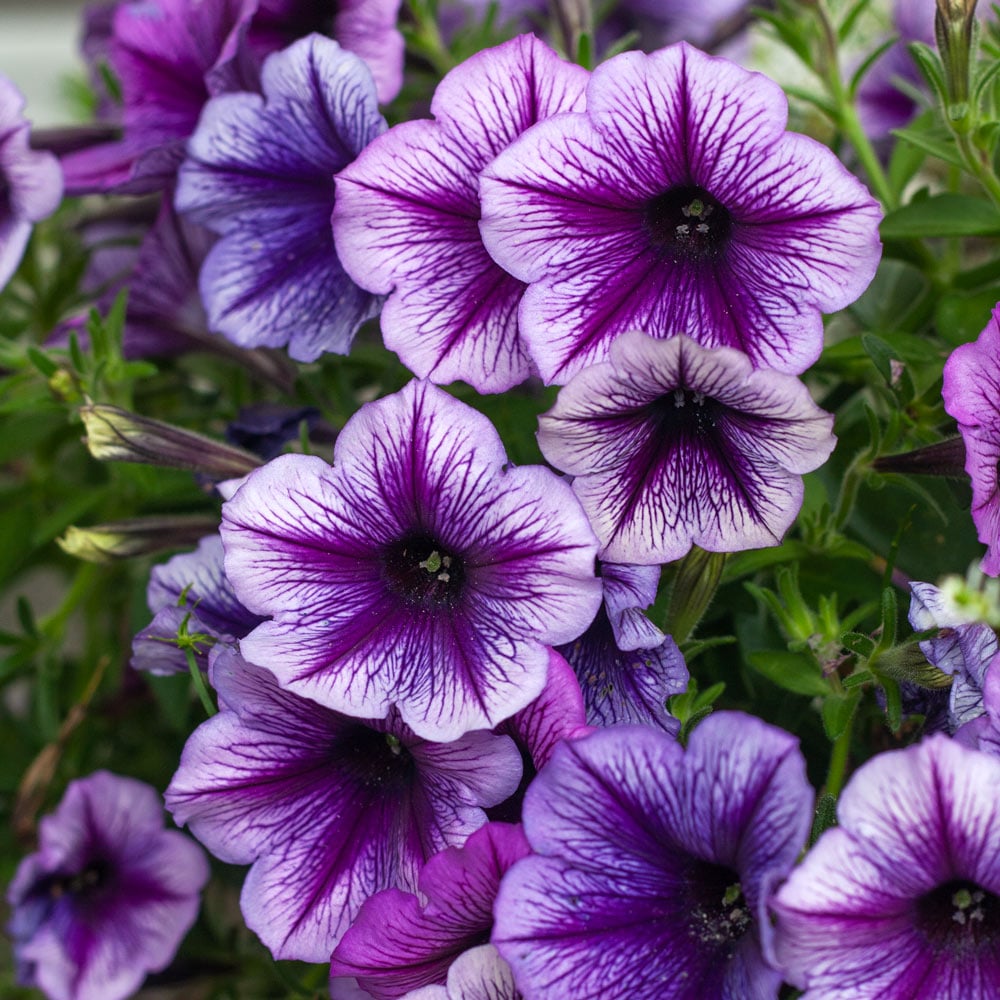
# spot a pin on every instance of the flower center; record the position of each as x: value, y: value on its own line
x: 685, y: 410
x: 718, y: 914
x: 686, y: 224
x: 372, y: 758
x: 422, y: 572
x: 959, y: 916
x: 82, y: 883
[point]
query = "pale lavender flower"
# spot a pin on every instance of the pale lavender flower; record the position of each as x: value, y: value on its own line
x: 109, y: 894
x: 673, y: 444
x: 901, y: 900
x: 478, y: 974
x: 677, y: 203
x: 30, y: 182
x: 420, y: 571
x: 654, y: 865
x: 327, y: 808
x: 400, y: 941
x: 260, y: 174
x: 971, y: 394
x: 407, y: 212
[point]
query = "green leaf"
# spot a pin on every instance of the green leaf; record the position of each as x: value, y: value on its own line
x: 937, y: 142
x: 794, y: 672
x: 856, y: 642
x: 942, y: 215
x: 837, y: 712
x: 826, y: 816
x: 893, y: 703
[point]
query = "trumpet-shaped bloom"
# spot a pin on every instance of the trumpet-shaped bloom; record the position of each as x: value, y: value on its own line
x: 627, y: 667
x: 653, y: 865
x: 674, y: 444
x: 901, y: 900
x: 419, y: 571
x: 677, y: 203
x: 327, y: 808
x: 260, y: 174
x: 30, y: 182
x: 400, y: 942
x: 971, y: 393
x: 407, y: 213
x: 108, y: 896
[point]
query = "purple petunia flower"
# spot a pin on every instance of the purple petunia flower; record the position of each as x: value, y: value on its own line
x: 108, y: 896
x: 260, y: 173
x: 406, y: 218
x: 193, y: 591
x: 478, y: 974
x: 399, y: 942
x: 654, y: 864
x: 901, y: 900
x: 30, y: 182
x: 626, y: 666
x: 971, y: 394
x: 420, y: 571
x: 328, y: 809
x: 674, y: 444
x: 677, y: 203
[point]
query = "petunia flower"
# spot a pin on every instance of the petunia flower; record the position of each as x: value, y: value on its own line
x: 109, y: 894
x: 626, y: 666
x: 30, y: 182
x: 971, y: 394
x: 901, y: 900
x: 673, y: 444
x: 677, y: 203
x: 327, y: 808
x: 400, y: 941
x: 419, y: 571
x: 653, y: 865
x: 407, y: 212
x: 260, y: 174
x: 477, y: 974
x: 190, y: 591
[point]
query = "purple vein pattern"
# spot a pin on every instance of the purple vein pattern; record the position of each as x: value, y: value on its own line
x: 677, y: 203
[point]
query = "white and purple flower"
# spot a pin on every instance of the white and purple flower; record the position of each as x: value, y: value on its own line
x: 406, y: 220
x: 328, y: 809
x: 653, y: 865
x: 677, y: 203
x: 971, y: 394
x: 901, y: 900
x: 420, y: 571
x: 260, y: 174
x: 109, y: 894
x: 673, y: 444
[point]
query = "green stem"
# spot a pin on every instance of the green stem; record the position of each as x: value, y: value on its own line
x: 838, y: 761
x: 199, y: 683
x: 976, y: 165
x: 426, y: 38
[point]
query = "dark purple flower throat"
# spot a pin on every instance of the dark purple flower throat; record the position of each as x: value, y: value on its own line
x: 686, y: 223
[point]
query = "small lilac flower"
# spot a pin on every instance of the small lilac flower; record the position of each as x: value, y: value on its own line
x: 260, y: 174
x: 108, y: 896
x: 626, y: 666
x: 674, y: 444
x: 677, y: 203
x: 478, y: 974
x: 169, y: 57
x: 406, y: 219
x: 365, y: 27
x: 653, y: 864
x: 30, y: 182
x: 971, y: 394
x: 400, y: 941
x: 901, y: 900
x: 420, y: 571
x: 192, y: 591
x: 327, y: 808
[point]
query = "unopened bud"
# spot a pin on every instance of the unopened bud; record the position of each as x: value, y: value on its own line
x: 111, y: 542
x: 115, y: 435
x: 954, y: 24
x: 943, y: 458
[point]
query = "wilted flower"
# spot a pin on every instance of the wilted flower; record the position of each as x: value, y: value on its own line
x: 421, y: 570
x: 677, y: 203
x: 654, y: 865
x: 30, y: 182
x: 108, y: 896
x: 673, y: 444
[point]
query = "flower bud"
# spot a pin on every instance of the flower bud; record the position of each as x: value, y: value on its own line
x: 115, y: 435
x: 107, y: 543
x: 954, y: 24
x: 943, y: 458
